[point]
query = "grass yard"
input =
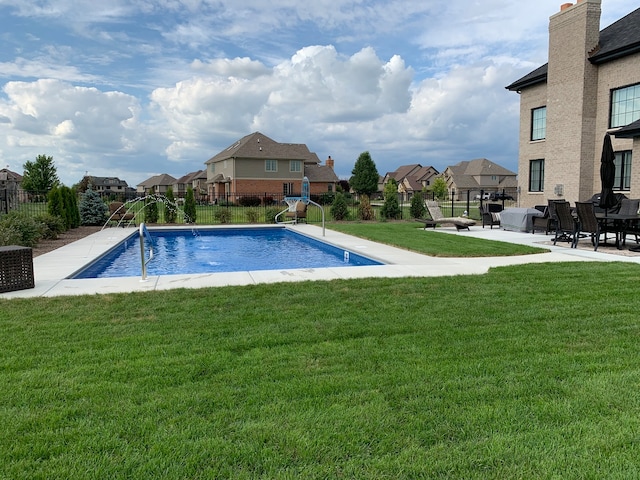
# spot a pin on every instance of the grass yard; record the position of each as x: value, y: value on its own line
x: 528, y: 372
x: 410, y: 235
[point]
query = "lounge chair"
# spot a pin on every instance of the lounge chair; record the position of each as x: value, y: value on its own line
x: 587, y: 224
x: 118, y: 213
x: 437, y: 216
x: 490, y: 213
x: 298, y: 213
x: 566, y: 229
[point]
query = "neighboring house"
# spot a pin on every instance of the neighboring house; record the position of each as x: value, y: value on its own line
x: 590, y: 86
x: 410, y: 179
x: 480, y: 175
x: 157, y: 184
x: 196, y: 180
x: 258, y: 165
x: 107, y: 186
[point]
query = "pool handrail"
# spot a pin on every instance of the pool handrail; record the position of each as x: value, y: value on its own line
x: 142, y: 232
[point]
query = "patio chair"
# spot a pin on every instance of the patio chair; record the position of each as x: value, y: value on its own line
x: 630, y: 206
x: 118, y: 213
x: 490, y: 213
x: 587, y: 224
x: 567, y: 224
x: 436, y: 215
x: 298, y: 213
x: 546, y: 222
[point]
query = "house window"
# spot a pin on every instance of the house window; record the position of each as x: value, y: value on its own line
x: 625, y: 106
x: 271, y: 165
x: 539, y: 123
x: 330, y: 187
x: 287, y: 188
x: 295, y: 166
x: 623, y: 171
x: 536, y: 175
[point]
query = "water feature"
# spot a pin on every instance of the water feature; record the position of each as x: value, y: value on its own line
x: 132, y: 206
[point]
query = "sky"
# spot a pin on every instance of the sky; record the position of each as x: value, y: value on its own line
x: 136, y: 88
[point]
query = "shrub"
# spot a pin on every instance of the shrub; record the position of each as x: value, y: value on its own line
x: 170, y: 207
x: 251, y: 201
x: 222, y: 215
x: 417, y: 208
x: 339, y: 209
x: 20, y: 229
x: 390, y: 207
x: 190, y: 207
x: 365, y: 210
x: 253, y: 215
x: 52, y: 225
x: 93, y: 211
x: 270, y: 214
x: 151, y: 209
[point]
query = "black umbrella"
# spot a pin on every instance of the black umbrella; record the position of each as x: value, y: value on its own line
x: 607, y: 174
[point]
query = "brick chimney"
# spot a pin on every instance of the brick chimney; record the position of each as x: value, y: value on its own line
x: 329, y: 162
x: 571, y: 89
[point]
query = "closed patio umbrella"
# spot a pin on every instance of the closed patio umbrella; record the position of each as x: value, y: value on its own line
x: 607, y: 174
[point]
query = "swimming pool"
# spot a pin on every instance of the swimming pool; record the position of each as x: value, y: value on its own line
x: 216, y: 250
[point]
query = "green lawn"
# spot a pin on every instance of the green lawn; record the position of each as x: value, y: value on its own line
x: 529, y: 371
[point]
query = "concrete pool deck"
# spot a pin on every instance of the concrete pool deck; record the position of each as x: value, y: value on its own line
x: 51, y: 269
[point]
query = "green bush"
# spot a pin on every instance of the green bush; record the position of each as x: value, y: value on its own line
x: 253, y: 215
x: 250, y: 201
x: 190, y: 212
x: 222, y: 215
x: 20, y: 229
x: 270, y: 214
x: 151, y: 209
x: 417, y: 208
x: 170, y: 207
x: 339, y: 209
x: 365, y: 210
x: 52, y: 225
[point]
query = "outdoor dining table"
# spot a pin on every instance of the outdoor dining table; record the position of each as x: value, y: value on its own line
x: 618, y: 222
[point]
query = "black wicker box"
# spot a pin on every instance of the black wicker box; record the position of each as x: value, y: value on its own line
x: 16, y: 268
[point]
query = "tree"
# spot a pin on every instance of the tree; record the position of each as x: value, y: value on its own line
x: 339, y: 208
x: 391, y: 207
x: 151, y: 208
x: 439, y: 188
x: 365, y: 211
x: 40, y: 176
x: 365, y: 175
x: 170, y: 207
x: 93, y: 210
x: 417, y: 208
x: 190, y: 207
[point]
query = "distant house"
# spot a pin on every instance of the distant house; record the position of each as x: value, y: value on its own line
x: 411, y: 179
x: 196, y: 180
x: 157, y: 184
x: 258, y: 165
x: 10, y: 195
x: 109, y: 186
x: 479, y: 175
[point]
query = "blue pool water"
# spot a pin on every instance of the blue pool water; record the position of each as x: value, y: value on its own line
x: 221, y: 250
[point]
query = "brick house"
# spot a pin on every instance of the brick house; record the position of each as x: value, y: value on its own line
x: 158, y: 184
x: 258, y: 165
x: 590, y: 86
x: 410, y: 178
x: 196, y: 180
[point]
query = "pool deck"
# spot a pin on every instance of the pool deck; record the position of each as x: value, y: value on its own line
x: 51, y: 269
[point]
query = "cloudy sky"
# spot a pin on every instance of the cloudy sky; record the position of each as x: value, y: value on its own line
x: 134, y: 88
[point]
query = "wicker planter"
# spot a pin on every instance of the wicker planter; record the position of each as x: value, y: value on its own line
x: 16, y: 268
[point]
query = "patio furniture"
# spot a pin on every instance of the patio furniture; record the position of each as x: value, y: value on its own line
x: 632, y: 227
x: 436, y: 215
x: 299, y: 212
x: 518, y: 219
x: 118, y: 213
x: 545, y: 223
x: 587, y: 224
x: 567, y: 224
x: 490, y: 213
x: 16, y: 268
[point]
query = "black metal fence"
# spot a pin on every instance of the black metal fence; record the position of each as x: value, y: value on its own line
x: 241, y: 208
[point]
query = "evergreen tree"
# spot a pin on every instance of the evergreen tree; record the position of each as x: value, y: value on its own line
x: 365, y: 175
x: 93, y: 210
x: 365, y: 211
x: 55, y: 204
x: 339, y: 209
x: 151, y: 208
x: 391, y: 207
x: 170, y: 207
x: 190, y: 207
x: 417, y: 208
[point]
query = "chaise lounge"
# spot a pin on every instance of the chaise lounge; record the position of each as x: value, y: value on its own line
x: 436, y: 215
